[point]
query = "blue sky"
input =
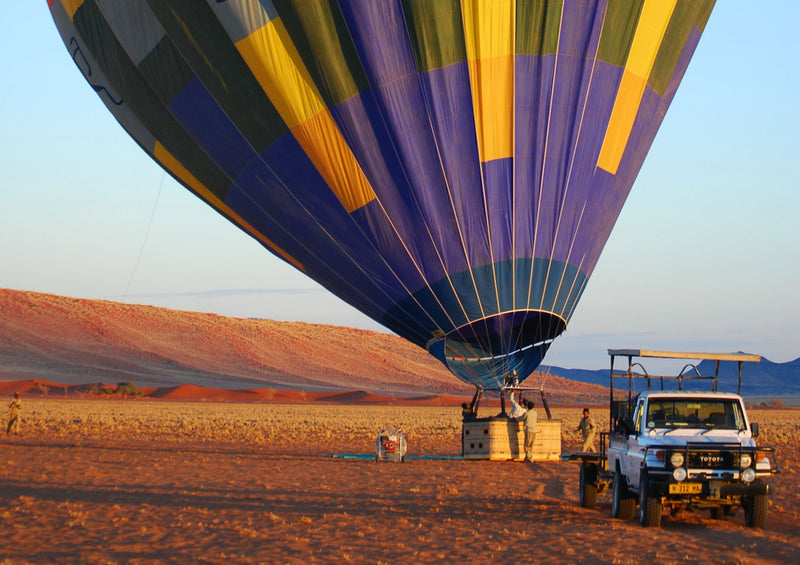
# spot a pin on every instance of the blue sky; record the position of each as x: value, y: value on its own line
x: 704, y: 257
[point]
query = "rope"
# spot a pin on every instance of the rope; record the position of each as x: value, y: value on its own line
x: 146, y: 236
x: 93, y: 364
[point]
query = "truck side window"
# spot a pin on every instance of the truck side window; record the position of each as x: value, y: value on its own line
x: 637, y: 417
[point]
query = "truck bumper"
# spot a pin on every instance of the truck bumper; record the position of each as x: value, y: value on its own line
x: 741, y: 489
x: 716, y: 489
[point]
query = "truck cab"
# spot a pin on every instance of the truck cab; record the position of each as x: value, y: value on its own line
x: 672, y: 421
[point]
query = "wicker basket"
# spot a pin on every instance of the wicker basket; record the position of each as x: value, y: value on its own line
x: 500, y: 439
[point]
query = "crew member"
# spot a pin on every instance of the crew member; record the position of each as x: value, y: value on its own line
x: 587, y: 428
x: 529, y: 420
x: 14, y: 408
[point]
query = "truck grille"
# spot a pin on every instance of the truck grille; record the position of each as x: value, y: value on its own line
x: 713, y: 459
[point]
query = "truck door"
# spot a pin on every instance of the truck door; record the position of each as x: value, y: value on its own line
x: 632, y: 462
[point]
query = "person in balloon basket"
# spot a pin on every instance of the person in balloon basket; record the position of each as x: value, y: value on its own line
x: 529, y: 421
x: 14, y: 408
x: 518, y: 409
x: 587, y: 428
x: 467, y: 413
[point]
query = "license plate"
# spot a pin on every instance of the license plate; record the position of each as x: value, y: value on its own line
x: 685, y: 488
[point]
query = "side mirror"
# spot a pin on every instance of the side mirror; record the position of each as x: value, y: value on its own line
x: 627, y: 426
x: 754, y: 430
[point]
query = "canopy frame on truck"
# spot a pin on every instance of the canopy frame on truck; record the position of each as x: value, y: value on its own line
x: 631, y: 354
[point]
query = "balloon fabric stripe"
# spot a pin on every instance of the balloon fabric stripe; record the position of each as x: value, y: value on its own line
x: 650, y: 31
x: 170, y: 163
x: 281, y: 74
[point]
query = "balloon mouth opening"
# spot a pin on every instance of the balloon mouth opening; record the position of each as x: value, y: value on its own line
x: 503, y: 335
x: 483, y: 352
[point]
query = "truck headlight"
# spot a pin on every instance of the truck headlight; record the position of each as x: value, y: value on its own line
x: 679, y: 474
x: 746, y: 460
x: 749, y: 475
x: 676, y: 459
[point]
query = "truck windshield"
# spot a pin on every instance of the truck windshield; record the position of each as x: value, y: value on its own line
x: 694, y: 413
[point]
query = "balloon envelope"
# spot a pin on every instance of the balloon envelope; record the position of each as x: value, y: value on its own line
x: 450, y: 168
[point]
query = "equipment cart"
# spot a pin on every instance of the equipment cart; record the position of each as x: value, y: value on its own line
x: 390, y: 445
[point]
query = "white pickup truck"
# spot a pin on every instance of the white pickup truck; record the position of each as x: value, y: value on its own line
x: 676, y: 450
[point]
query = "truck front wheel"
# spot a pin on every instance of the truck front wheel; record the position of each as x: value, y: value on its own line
x: 623, y: 505
x: 755, y: 511
x: 588, y: 485
x: 649, y: 505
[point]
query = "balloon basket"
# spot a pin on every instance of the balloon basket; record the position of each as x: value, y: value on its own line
x: 503, y: 439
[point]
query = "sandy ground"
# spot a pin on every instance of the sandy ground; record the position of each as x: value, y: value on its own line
x: 141, y: 481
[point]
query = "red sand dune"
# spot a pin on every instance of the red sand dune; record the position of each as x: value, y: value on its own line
x: 43, y: 389
x: 192, y: 392
x: 48, y: 339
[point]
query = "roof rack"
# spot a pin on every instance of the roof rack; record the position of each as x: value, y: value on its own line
x: 631, y: 353
x: 616, y: 415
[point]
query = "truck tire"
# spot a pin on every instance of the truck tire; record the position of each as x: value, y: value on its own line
x: 720, y: 513
x: 649, y: 506
x: 588, y: 485
x: 755, y: 511
x: 623, y: 505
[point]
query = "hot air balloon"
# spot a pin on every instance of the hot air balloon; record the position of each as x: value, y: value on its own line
x: 451, y: 168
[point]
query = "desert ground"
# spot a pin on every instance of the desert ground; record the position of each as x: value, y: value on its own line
x: 143, y: 481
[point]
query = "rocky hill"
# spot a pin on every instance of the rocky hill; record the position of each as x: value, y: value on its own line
x: 77, y: 341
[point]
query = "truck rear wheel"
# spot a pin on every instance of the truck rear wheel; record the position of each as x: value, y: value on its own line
x: 588, y: 485
x: 649, y: 506
x: 623, y: 505
x: 720, y: 512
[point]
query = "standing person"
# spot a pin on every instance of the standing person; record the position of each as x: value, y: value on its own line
x: 14, y: 408
x: 587, y: 427
x: 529, y: 418
x: 517, y: 408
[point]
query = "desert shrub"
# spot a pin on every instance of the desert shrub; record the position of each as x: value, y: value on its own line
x: 774, y: 403
x: 127, y: 388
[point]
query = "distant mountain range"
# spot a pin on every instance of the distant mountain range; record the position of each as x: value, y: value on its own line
x: 765, y: 378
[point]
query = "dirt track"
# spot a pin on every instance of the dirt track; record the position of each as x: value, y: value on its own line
x: 144, y: 482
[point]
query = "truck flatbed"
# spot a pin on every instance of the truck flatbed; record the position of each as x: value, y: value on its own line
x: 582, y: 456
